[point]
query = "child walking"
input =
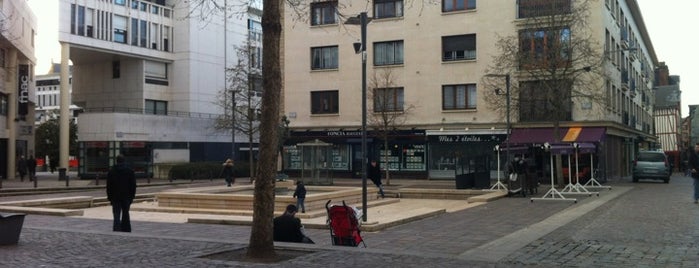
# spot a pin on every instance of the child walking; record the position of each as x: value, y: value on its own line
x: 300, y: 195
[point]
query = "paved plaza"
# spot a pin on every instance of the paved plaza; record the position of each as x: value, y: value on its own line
x: 646, y: 224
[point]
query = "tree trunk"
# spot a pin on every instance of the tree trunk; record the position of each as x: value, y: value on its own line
x: 261, y: 234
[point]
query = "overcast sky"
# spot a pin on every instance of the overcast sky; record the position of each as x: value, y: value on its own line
x: 668, y: 23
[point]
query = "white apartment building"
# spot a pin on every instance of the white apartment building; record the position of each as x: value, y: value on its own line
x: 48, y: 96
x: 17, y: 31
x: 437, y: 54
x: 146, y: 74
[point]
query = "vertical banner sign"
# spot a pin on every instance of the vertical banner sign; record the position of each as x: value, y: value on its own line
x: 23, y: 96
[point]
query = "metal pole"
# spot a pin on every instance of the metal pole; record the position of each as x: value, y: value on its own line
x: 509, y: 126
x: 233, y: 125
x: 363, y: 21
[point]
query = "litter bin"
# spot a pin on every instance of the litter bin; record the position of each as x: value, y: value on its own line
x: 62, y: 174
x: 465, y: 181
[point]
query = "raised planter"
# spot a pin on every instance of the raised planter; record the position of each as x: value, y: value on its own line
x: 10, y: 228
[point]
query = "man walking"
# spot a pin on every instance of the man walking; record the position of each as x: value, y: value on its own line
x: 694, y: 169
x: 31, y: 167
x: 121, y: 190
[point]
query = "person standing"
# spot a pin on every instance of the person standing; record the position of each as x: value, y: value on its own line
x: 374, y: 172
x: 22, y: 167
x: 121, y: 190
x: 31, y: 168
x: 288, y: 228
x: 300, y: 195
x: 227, y: 172
x: 694, y: 169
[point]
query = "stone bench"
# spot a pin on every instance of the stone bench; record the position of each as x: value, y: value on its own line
x: 10, y: 228
x: 73, y: 202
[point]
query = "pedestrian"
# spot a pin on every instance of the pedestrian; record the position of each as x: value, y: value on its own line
x: 288, y: 228
x: 53, y: 162
x: 516, y: 170
x: 374, y: 173
x: 227, y: 172
x: 300, y: 195
x: 121, y: 190
x: 31, y: 167
x: 22, y: 167
x: 694, y: 169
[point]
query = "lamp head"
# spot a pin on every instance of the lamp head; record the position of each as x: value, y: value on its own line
x: 357, y: 47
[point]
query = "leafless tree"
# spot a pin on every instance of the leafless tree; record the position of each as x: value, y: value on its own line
x: 241, y: 99
x: 389, y: 112
x: 261, y: 237
x: 553, y: 61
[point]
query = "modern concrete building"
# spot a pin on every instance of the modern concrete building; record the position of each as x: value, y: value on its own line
x: 147, y: 74
x: 17, y: 32
x: 437, y: 55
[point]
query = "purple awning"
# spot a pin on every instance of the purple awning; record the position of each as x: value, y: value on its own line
x: 522, y: 136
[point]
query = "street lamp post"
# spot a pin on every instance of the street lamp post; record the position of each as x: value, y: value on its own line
x: 361, y: 48
x: 507, y: 110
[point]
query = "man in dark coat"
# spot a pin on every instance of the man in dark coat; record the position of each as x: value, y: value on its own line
x: 22, y: 167
x: 121, y: 190
x: 693, y: 165
x: 288, y: 228
x: 31, y: 168
x: 374, y: 174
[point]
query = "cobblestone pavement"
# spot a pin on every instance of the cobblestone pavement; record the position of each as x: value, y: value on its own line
x: 654, y: 225
x: 648, y: 224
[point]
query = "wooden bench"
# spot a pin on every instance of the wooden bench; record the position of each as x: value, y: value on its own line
x: 10, y: 228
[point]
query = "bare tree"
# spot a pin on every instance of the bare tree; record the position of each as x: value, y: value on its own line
x: 241, y: 99
x: 389, y: 112
x: 261, y: 237
x: 553, y: 61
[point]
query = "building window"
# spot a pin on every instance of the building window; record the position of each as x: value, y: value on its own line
x: 120, y: 2
x: 455, y: 5
x: 3, y: 104
x: 156, y: 107
x: 459, y: 97
x: 156, y: 73
x: 459, y: 47
x: 255, y: 57
x: 134, y: 32
x: 545, y: 101
x: 388, y: 8
x: 538, y: 8
x: 388, y: 99
x: 324, y: 58
x: 116, y: 69
x: 323, y: 13
x: 388, y: 53
x: 81, y: 20
x: 134, y: 4
x: 2, y: 58
x: 545, y: 48
x: 143, y: 33
x: 324, y: 102
x: 120, y: 32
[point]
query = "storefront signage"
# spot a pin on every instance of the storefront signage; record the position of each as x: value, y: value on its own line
x: 23, y: 89
x: 344, y: 133
x: 468, y: 138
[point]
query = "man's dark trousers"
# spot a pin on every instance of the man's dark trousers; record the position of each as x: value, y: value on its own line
x: 122, y: 220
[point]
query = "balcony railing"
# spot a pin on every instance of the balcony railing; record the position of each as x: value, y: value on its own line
x: 127, y: 110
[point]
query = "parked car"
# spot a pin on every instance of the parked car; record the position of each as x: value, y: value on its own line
x: 651, y: 165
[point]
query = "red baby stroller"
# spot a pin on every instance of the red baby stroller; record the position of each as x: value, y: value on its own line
x: 344, y: 225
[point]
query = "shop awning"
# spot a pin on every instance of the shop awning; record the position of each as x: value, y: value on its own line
x: 521, y: 136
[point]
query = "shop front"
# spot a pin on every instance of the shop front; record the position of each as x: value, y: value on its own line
x: 405, y: 155
x: 452, y: 150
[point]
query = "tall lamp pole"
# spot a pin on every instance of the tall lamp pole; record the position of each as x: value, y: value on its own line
x: 363, y: 21
x: 361, y: 48
x: 507, y: 101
